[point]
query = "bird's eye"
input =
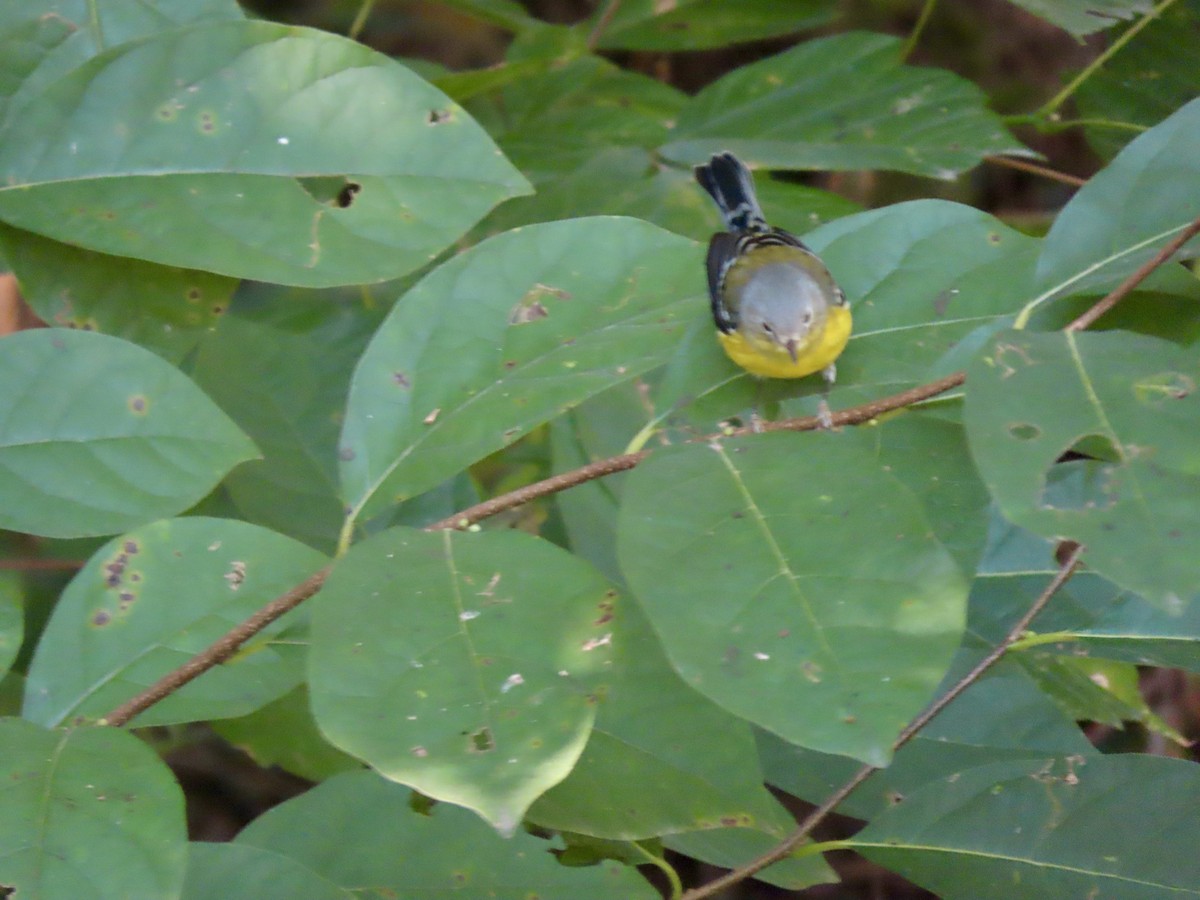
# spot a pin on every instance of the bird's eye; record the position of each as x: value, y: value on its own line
x: 767, y: 328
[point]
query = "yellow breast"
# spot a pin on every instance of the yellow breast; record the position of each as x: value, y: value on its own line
x: 769, y: 360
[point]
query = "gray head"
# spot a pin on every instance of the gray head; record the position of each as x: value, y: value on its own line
x: 781, y: 302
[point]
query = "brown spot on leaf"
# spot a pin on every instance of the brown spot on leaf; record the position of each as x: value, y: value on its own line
x: 138, y: 404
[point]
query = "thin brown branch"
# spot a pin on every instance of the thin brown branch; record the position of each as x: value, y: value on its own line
x: 543, y: 488
x: 865, y: 412
x: 228, y: 644
x: 1023, y: 165
x: 783, y: 849
x: 41, y: 565
x: 602, y: 24
x: 217, y: 652
x: 613, y: 464
x: 1121, y: 291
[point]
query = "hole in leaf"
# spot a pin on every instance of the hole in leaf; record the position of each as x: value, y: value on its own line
x: 482, y: 741
x: 1080, y: 485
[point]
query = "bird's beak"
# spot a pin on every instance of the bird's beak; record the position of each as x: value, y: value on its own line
x: 790, y: 346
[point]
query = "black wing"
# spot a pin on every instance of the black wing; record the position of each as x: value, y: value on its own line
x: 722, y: 251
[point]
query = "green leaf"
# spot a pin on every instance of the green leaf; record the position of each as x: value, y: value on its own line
x: 505, y: 13
x: 585, y: 104
x: 1082, y: 17
x: 930, y: 457
x: 701, y: 24
x: 423, y: 663
x: 1118, y: 826
x: 646, y: 770
x: 231, y: 148
x: 369, y: 835
x: 97, y: 435
x: 842, y: 102
x: 1032, y: 397
x: 1096, y: 690
x: 224, y: 871
x: 796, y: 583
x: 283, y: 734
x: 1149, y: 79
x: 90, y: 814
x: 165, y: 309
x: 1090, y: 616
x: 43, y: 40
x: 1003, y: 716
x: 281, y: 367
x: 556, y: 313
x: 1127, y: 211
x: 149, y: 600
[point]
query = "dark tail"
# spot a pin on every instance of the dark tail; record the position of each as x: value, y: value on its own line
x: 730, y: 184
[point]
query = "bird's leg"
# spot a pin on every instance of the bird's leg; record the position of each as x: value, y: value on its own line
x: 756, y: 419
x: 824, y: 416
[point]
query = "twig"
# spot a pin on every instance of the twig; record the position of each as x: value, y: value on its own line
x: 360, y: 19
x: 41, y: 565
x: 602, y: 24
x: 613, y: 464
x: 1117, y: 294
x: 227, y: 645
x: 814, y: 818
x: 1022, y: 165
x: 1051, y: 106
x: 551, y: 485
x: 217, y: 652
x: 910, y: 43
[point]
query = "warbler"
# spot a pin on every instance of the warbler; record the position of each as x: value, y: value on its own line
x: 778, y: 311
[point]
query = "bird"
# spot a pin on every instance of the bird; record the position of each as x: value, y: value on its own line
x: 778, y: 311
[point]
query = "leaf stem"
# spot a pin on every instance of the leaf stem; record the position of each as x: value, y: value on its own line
x: 1039, y: 640
x: 665, y: 867
x: 1050, y: 107
x: 910, y: 43
x: 1026, y: 166
x: 360, y: 19
x: 793, y: 841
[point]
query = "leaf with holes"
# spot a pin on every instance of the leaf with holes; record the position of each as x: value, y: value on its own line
x: 465, y: 665
x: 254, y: 150
x: 643, y: 775
x: 1128, y: 404
x: 149, y: 600
x: 505, y: 336
x: 98, y: 435
x: 796, y: 583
